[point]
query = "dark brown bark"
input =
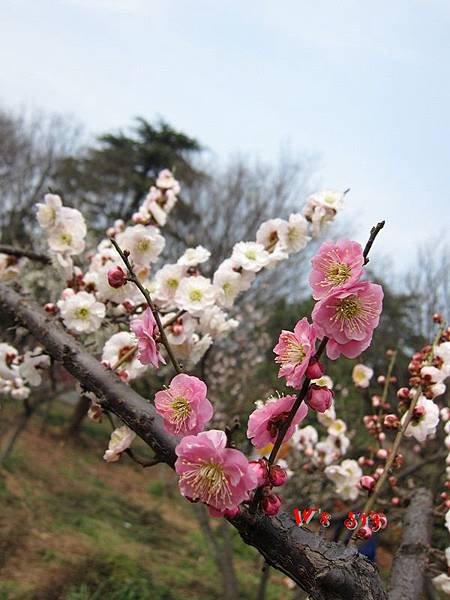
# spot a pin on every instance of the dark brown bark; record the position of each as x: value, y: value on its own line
x: 326, y: 570
x: 407, y: 576
x: 23, y: 253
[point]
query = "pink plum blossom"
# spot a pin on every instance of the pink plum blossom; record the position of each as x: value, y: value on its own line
x: 335, y: 266
x: 348, y: 317
x: 294, y: 350
x: 146, y: 329
x: 184, y: 405
x: 212, y: 473
x: 265, y: 422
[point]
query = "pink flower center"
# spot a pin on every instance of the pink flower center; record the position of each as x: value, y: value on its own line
x: 208, y: 482
x: 276, y: 423
x: 354, y: 314
x: 337, y: 273
x: 181, y: 411
x: 293, y: 353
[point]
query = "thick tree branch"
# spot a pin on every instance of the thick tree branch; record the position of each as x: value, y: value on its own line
x: 326, y: 570
x: 22, y: 253
x: 407, y: 577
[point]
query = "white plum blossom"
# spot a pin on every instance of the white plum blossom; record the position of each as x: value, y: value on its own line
x: 194, y: 294
x: 305, y: 437
x: 323, y: 381
x: 166, y: 181
x: 443, y: 352
x: 121, y: 440
x: 345, y: 477
x: 116, y: 348
x: 337, y: 428
x: 194, y: 256
x: 144, y: 242
x: 447, y: 520
x: 425, y: 425
x: 270, y: 232
x: 442, y: 583
x: 66, y: 239
x: 250, y: 256
x: 229, y: 283
x: 167, y: 281
x: 362, y: 375
x: 32, y: 365
x: 215, y: 322
x: 7, y: 355
x: 81, y: 312
x: 180, y: 330
x: 193, y: 349
x: 48, y: 212
x: 324, y: 453
x: 321, y: 208
x: 294, y: 237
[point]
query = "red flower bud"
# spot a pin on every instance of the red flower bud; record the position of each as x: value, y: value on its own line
x: 319, y: 398
x: 403, y: 393
x: 437, y: 318
x: 117, y: 277
x: 382, y: 454
x: 271, y: 504
x: 391, y: 421
x: 315, y: 369
x: 367, y: 483
x: 395, y: 501
x: 277, y: 475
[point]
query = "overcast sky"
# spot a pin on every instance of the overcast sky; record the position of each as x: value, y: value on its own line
x: 364, y: 86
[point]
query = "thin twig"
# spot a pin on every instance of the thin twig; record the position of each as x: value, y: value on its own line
x: 146, y: 294
x: 142, y: 461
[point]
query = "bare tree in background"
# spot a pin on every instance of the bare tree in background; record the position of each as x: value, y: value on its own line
x: 31, y: 147
x: 428, y: 282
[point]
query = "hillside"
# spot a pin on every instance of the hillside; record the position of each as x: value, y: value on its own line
x: 75, y: 528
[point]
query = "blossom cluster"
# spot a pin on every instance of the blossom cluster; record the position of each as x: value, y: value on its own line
x: 20, y: 372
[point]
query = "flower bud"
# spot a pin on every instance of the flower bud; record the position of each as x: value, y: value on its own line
x: 315, y: 369
x: 367, y: 483
x: 271, y: 504
x: 116, y: 277
x: 437, y: 318
x: 418, y: 412
x: 403, y: 393
x: 259, y: 467
x: 319, y: 398
x: 277, y: 475
x: 391, y: 421
x: 395, y: 501
x: 392, y: 480
x: 382, y: 454
x: 50, y: 308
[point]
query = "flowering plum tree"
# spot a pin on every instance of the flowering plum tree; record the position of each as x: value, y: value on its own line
x: 139, y: 318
